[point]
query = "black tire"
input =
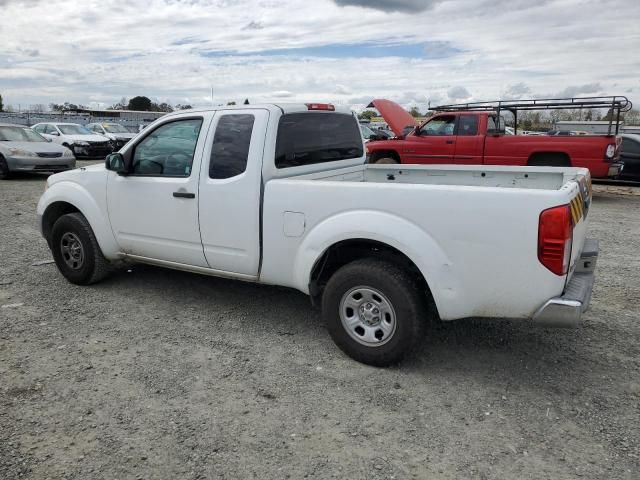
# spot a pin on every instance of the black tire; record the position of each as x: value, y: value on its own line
x: 402, y: 292
x: 4, y: 169
x: 90, y: 266
x: 386, y: 161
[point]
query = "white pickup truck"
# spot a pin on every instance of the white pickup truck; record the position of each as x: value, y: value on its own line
x: 282, y: 195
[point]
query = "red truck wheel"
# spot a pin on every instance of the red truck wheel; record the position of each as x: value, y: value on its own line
x: 386, y: 161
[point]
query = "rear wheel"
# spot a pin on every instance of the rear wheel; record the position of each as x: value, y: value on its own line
x: 4, y: 169
x: 374, y: 311
x: 76, y: 250
x: 386, y: 161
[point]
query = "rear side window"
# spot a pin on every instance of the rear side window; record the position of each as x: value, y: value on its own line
x: 230, y: 149
x: 467, y: 125
x: 318, y: 137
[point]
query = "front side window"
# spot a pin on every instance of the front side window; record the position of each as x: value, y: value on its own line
x: 39, y: 128
x: 468, y: 125
x: 444, y: 125
x: 315, y: 137
x: 50, y: 129
x: 492, y: 127
x: 168, y: 150
x: 230, y: 150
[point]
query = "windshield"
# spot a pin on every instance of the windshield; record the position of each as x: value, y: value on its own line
x: 19, y: 134
x: 74, y: 130
x: 366, y: 131
x: 115, y: 128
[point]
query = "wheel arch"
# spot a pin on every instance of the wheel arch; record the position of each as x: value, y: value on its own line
x: 563, y: 159
x: 378, y: 154
x: 334, y: 243
x: 68, y: 197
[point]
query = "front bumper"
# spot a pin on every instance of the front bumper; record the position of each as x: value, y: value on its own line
x: 567, y: 310
x: 92, y: 151
x: 37, y: 164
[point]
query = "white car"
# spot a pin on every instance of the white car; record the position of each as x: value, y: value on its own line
x: 82, y: 142
x: 281, y: 194
x: 118, y: 134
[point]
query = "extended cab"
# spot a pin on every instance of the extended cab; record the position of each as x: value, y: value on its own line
x: 281, y: 194
x: 478, y: 138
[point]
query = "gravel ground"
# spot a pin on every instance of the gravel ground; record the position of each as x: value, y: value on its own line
x: 156, y: 374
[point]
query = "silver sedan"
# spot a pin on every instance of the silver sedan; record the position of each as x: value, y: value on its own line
x: 23, y: 150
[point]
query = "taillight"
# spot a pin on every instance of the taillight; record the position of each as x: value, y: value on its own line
x: 320, y: 106
x: 555, y: 232
x: 610, y: 152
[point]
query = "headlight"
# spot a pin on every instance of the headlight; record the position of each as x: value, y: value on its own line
x: 611, y: 150
x: 22, y: 153
x: 81, y: 144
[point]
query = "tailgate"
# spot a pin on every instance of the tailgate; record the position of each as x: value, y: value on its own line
x: 580, y: 205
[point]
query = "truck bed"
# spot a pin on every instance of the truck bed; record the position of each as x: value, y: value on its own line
x: 537, y: 178
x: 469, y: 227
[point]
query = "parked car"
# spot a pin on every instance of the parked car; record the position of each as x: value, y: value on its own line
x: 478, y: 137
x: 115, y: 132
x: 23, y: 150
x: 281, y: 195
x: 561, y: 133
x: 82, y: 142
x: 630, y: 156
x: 369, y: 134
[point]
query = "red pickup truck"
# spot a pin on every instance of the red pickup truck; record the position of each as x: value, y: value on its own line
x: 478, y: 137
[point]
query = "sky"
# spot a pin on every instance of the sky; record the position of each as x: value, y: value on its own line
x: 348, y: 52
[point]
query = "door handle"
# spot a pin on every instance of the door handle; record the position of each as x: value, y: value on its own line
x: 184, y: 195
x: 449, y: 142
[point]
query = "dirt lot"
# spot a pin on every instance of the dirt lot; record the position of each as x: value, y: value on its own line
x: 157, y: 374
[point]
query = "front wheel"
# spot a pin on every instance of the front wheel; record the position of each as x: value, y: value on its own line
x: 76, y: 250
x: 4, y: 169
x: 374, y: 311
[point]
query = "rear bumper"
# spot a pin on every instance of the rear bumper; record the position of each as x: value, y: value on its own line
x: 567, y: 310
x: 615, y: 169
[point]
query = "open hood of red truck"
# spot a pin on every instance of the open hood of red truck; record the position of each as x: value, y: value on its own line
x: 396, y: 117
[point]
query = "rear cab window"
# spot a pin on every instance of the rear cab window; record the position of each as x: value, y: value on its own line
x: 317, y: 137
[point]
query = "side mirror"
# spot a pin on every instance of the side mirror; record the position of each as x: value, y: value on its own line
x: 55, y: 133
x: 48, y: 140
x: 116, y: 162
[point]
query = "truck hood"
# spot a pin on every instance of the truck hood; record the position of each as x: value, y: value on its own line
x: 120, y: 135
x: 396, y: 117
x: 87, y: 138
x: 80, y: 175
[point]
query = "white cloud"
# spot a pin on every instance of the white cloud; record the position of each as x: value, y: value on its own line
x: 458, y: 93
x: 101, y: 50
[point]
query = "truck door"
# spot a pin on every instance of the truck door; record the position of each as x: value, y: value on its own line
x: 469, y: 142
x: 154, y: 210
x: 433, y: 143
x: 230, y: 190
